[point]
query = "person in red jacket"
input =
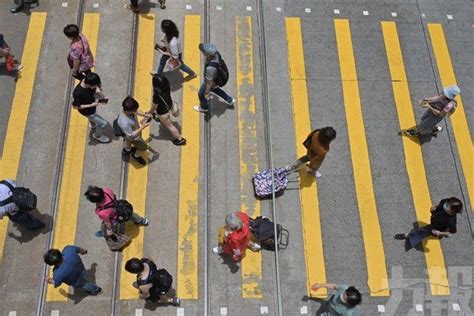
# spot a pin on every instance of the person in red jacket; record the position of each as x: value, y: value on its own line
x: 235, y: 236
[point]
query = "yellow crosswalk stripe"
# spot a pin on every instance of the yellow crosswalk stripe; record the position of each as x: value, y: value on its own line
x: 310, y: 216
x: 137, y: 174
x: 458, y: 119
x: 375, y: 256
x: 188, y: 209
x: 413, y: 159
x: 13, y: 145
x: 252, y: 263
x: 70, y: 191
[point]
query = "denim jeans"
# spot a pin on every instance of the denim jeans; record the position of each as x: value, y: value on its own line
x: 183, y: 67
x: 217, y: 90
x: 25, y: 219
x: 98, y: 122
x: 428, y: 122
x: 87, y: 286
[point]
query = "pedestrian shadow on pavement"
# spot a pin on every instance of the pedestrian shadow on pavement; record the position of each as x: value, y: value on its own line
x: 25, y: 234
x: 217, y: 107
x: 175, y: 78
x: 233, y: 266
x: 419, y: 140
x: 164, y: 133
x: 152, y: 306
x: 78, y: 295
x: 323, y: 308
x: 421, y: 246
x: 108, y: 131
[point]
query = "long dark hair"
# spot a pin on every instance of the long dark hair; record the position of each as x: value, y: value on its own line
x: 161, y: 85
x: 170, y: 29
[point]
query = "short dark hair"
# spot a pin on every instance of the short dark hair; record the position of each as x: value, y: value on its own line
x: 92, y: 79
x: 53, y: 257
x: 71, y: 30
x: 94, y: 194
x: 353, y: 296
x: 129, y: 104
x: 134, y: 265
x: 327, y: 135
x: 455, y: 204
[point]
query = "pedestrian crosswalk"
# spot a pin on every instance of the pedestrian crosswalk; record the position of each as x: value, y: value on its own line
x: 188, y: 249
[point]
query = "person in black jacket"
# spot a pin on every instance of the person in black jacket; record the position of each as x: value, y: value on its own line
x: 442, y: 222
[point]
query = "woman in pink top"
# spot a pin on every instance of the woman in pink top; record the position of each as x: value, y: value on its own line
x: 80, y: 58
x: 104, y: 199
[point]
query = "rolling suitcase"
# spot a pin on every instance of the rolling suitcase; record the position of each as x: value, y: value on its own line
x: 262, y: 182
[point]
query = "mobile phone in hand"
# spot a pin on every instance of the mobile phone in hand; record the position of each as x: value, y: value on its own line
x: 147, y: 120
x: 159, y: 47
x: 103, y: 100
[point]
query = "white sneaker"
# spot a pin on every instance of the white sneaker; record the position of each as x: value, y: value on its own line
x: 255, y: 247
x: 101, y: 138
x: 199, y: 109
x: 231, y: 103
x: 217, y: 250
x: 317, y: 174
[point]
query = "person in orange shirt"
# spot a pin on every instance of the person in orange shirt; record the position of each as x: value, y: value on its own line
x: 317, y: 144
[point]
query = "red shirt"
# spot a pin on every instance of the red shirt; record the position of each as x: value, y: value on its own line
x: 238, y: 239
x: 107, y: 214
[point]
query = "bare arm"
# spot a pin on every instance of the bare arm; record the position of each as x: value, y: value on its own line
x: 317, y: 286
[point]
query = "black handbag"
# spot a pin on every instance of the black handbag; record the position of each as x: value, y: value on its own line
x: 117, y: 130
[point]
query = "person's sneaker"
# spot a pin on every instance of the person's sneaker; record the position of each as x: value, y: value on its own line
x: 176, y: 301
x: 19, y: 67
x: 99, y: 290
x: 400, y: 237
x: 198, y: 108
x: 217, y: 250
x: 317, y: 174
x: 179, y: 142
x: 99, y: 233
x: 101, y: 138
x: 411, y: 132
x: 144, y: 222
x: 231, y: 103
x: 255, y: 247
x: 16, y: 9
x: 436, y: 130
x: 139, y: 159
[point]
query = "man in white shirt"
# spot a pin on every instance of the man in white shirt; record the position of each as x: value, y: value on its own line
x: 10, y: 209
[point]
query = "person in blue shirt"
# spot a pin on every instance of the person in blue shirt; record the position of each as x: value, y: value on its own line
x: 69, y: 269
x: 343, y: 302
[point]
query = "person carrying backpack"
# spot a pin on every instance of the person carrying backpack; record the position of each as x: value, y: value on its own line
x: 437, y: 108
x: 216, y: 76
x: 17, y: 203
x: 110, y: 211
x: 342, y: 303
x: 152, y: 283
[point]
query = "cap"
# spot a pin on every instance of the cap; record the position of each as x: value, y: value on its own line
x: 208, y: 48
x: 451, y: 92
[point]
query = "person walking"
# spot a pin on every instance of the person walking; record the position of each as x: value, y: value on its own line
x: 235, y: 237
x: 105, y: 201
x: 162, y: 107
x: 80, y: 58
x: 131, y: 130
x: 341, y: 303
x: 10, y: 62
x: 87, y: 96
x: 171, y: 50
x: 135, y: 6
x: 18, y: 207
x: 68, y: 268
x: 317, y: 143
x: 215, y: 77
x: 152, y: 284
x: 442, y: 222
x: 437, y: 108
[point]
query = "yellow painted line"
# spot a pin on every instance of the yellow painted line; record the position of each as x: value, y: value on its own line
x: 248, y: 151
x: 71, y: 179
x: 373, y: 245
x: 458, y: 119
x: 310, y: 216
x: 188, y: 211
x: 413, y: 158
x: 13, y: 144
x: 138, y: 175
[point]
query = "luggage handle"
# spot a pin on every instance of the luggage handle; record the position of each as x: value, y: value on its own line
x: 284, y: 239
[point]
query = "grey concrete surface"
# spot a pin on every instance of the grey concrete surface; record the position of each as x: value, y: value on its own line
x: 343, y: 244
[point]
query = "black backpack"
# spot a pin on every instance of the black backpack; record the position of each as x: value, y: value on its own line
x: 222, y: 71
x: 22, y: 197
x: 161, y: 281
x: 123, y: 209
x: 262, y: 229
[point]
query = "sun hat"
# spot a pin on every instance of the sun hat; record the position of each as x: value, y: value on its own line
x: 451, y: 92
x: 208, y: 48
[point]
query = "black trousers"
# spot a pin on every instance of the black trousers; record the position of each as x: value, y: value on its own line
x: 134, y: 3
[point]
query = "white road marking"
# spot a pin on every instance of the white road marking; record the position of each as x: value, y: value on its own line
x: 423, y: 15
x: 394, y: 14
x: 278, y: 9
x: 64, y: 4
x: 456, y: 307
x: 449, y: 16
x: 55, y: 312
x: 180, y: 311
x: 95, y: 5
x: 381, y: 308
x: 219, y: 8
x: 263, y: 310
x: 419, y: 307
x: 304, y: 310
x: 223, y: 310
x: 249, y: 8
x: 138, y: 312
x: 12, y: 313
x: 365, y: 12
x: 189, y: 7
x: 337, y: 11
x: 307, y: 10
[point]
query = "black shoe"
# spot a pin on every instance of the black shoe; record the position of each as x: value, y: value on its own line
x: 176, y: 301
x: 131, y: 151
x: 98, y: 291
x: 179, y: 142
x: 16, y: 9
x: 400, y: 237
x: 139, y: 159
x: 411, y: 132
